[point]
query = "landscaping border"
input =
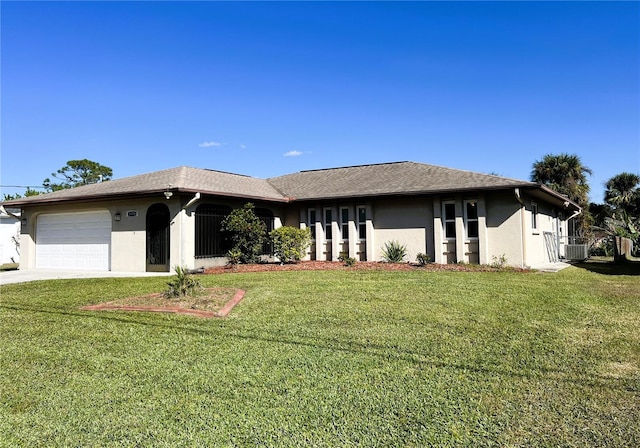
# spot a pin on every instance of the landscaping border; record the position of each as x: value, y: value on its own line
x: 222, y: 312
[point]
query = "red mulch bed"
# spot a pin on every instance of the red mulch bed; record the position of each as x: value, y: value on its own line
x: 359, y: 266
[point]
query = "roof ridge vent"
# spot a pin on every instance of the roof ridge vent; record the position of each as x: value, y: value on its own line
x: 355, y: 166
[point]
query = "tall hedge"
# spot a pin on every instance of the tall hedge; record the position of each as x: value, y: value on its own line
x: 248, y: 232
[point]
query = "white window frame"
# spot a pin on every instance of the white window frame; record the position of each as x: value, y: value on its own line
x: 311, y: 222
x: 534, y: 216
x: 451, y: 220
x: 467, y: 220
x: 344, y: 225
x: 360, y: 224
x: 328, y: 231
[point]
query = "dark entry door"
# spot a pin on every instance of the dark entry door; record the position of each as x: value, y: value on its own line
x: 158, y: 238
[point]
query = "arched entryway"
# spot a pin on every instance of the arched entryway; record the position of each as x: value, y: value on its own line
x: 158, y: 221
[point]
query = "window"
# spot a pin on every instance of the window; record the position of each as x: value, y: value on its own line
x: 312, y: 222
x: 210, y: 240
x: 534, y: 216
x: 449, y: 221
x: 471, y: 218
x: 344, y: 223
x: 328, y: 218
x: 362, y: 223
x: 266, y: 216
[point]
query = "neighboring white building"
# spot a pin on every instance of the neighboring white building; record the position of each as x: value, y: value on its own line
x: 9, y: 238
x: 154, y: 221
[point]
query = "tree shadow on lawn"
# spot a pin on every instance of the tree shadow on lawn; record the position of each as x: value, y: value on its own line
x: 610, y: 268
x: 384, y: 352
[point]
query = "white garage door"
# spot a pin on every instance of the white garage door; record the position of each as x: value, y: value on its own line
x: 73, y: 241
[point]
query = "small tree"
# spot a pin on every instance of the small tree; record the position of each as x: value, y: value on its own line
x: 290, y: 243
x: 248, y: 232
x: 29, y: 192
x: 77, y: 173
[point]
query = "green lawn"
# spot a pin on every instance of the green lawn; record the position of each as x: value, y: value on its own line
x: 328, y: 358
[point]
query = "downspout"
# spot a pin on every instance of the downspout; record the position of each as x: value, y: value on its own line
x: 192, y: 201
x: 523, y: 250
x: 575, y: 214
x: 183, y: 237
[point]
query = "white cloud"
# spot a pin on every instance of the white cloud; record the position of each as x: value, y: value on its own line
x: 292, y: 154
x: 209, y: 144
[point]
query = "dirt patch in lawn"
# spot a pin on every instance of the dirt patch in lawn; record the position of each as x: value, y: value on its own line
x: 211, y: 302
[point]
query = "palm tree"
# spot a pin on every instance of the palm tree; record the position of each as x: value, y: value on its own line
x: 623, y: 191
x: 565, y: 174
x: 623, y: 195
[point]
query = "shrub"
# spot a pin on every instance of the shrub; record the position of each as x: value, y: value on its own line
x: 234, y: 256
x: 290, y: 243
x: 182, y: 284
x: 423, y: 259
x: 346, y: 259
x: 350, y: 261
x: 394, y: 252
x: 248, y: 232
x: 499, y: 262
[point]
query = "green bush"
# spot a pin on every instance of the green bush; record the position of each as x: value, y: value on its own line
x: 182, y: 284
x: 423, y: 259
x: 350, y: 261
x: 394, y: 252
x: 248, y: 232
x: 346, y: 259
x: 290, y: 243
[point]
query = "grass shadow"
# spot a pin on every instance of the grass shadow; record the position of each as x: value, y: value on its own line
x: 609, y: 267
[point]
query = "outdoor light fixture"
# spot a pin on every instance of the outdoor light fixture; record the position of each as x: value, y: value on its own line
x: 167, y: 193
x: 117, y: 217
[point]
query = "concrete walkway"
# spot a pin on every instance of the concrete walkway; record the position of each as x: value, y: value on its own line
x: 30, y: 275
x: 551, y: 267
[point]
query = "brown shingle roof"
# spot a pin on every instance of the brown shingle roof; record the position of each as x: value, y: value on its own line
x: 386, y: 179
x: 182, y: 178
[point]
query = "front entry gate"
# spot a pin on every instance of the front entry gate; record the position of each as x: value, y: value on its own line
x: 158, y: 220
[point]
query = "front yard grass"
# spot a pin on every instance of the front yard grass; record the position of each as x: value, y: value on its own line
x: 330, y: 358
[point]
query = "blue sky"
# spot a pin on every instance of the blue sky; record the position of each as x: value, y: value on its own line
x: 270, y: 88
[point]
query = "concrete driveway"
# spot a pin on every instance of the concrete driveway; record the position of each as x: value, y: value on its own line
x: 30, y: 275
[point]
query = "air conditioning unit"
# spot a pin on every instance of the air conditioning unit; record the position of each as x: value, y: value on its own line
x: 576, y: 251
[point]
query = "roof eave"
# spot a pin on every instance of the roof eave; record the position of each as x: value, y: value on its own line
x: 559, y: 198
x: 412, y: 193
x: 28, y: 202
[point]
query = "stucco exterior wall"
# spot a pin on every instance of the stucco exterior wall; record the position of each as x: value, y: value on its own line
x: 504, y: 228
x: 128, y: 236
x: 408, y: 221
x: 547, y: 221
x: 128, y: 251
